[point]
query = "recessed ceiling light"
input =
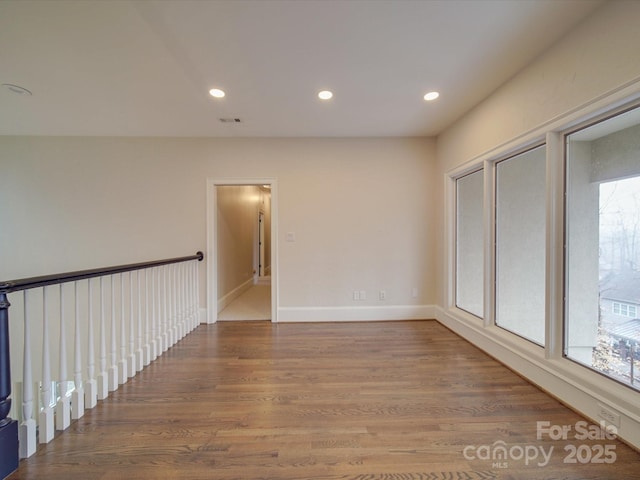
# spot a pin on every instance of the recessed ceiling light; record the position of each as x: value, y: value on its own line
x: 325, y: 95
x: 16, y: 89
x: 216, y: 92
x: 431, y: 96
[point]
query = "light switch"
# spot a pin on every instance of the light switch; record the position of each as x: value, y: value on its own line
x: 291, y: 236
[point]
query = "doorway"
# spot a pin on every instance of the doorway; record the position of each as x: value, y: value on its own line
x: 262, y: 260
x: 242, y: 262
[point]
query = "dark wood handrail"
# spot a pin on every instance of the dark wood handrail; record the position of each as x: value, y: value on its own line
x: 57, y: 278
x: 8, y: 427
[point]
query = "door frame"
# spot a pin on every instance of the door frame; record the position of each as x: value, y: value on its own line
x: 212, y: 244
x: 261, y: 242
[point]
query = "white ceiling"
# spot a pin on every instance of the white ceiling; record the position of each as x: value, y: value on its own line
x: 144, y: 68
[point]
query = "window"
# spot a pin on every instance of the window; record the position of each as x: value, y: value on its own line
x: 520, y: 244
x: 602, y: 259
x: 624, y: 310
x: 469, y: 243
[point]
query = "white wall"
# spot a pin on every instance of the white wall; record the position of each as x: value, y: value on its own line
x: 361, y: 209
x: 237, y: 217
x: 599, y: 57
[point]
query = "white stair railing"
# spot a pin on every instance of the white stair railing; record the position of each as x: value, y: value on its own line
x: 157, y: 303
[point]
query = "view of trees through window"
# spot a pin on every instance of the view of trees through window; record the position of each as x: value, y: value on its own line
x: 602, y: 256
x: 618, y: 349
x: 601, y: 292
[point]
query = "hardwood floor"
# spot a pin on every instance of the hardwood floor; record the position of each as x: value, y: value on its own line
x: 385, y: 400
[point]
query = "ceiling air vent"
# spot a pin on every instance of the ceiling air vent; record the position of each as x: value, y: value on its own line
x: 230, y: 120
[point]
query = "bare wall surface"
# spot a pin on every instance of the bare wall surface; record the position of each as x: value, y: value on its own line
x: 601, y: 54
x: 237, y: 215
x: 362, y: 210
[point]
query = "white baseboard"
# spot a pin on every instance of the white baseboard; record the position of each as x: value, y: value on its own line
x: 202, y: 315
x: 233, y: 294
x: 355, y: 314
x: 577, y: 387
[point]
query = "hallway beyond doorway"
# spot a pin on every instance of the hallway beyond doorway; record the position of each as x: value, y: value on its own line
x: 254, y: 304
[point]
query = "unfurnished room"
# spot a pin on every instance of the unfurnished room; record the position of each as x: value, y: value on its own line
x: 319, y: 239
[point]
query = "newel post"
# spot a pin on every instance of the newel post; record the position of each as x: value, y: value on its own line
x: 8, y: 427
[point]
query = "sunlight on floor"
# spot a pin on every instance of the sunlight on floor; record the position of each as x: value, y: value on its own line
x: 254, y: 304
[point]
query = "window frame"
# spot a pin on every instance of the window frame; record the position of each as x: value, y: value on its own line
x: 609, y: 112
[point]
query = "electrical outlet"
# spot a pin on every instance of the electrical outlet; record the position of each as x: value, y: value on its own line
x: 382, y: 295
x: 363, y: 295
x: 609, y: 415
x: 356, y: 295
x: 414, y: 292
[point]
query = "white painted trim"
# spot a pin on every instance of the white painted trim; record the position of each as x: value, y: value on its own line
x: 554, y: 257
x: 356, y: 314
x: 235, y: 293
x: 577, y: 386
x: 574, y: 385
x: 202, y: 315
x: 212, y: 247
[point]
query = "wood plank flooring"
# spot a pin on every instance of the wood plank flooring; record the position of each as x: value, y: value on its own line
x: 365, y: 401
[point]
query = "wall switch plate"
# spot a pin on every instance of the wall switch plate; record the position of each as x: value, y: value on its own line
x: 363, y: 295
x: 291, y: 236
x: 356, y: 295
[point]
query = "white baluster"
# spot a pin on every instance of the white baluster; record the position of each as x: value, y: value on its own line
x: 154, y: 317
x: 27, y: 431
x: 186, y: 320
x: 196, y: 293
x: 77, y: 397
x: 165, y: 306
x: 178, y: 307
x: 171, y: 331
x: 147, y: 332
x: 103, y: 376
x: 177, y: 328
x: 187, y: 298
x: 113, y: 366
x: 139, y: 352
x: 45, y: 425
x: 181, y: 313
x: 122, y: 365
x: 159, y: 300
x: 169, y: 297
x: 173, y: 287
x: 183, y: 300
x: 91, y: 385
x: 131, y: 361
x: 162, y: 311
x: 63, y: 406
